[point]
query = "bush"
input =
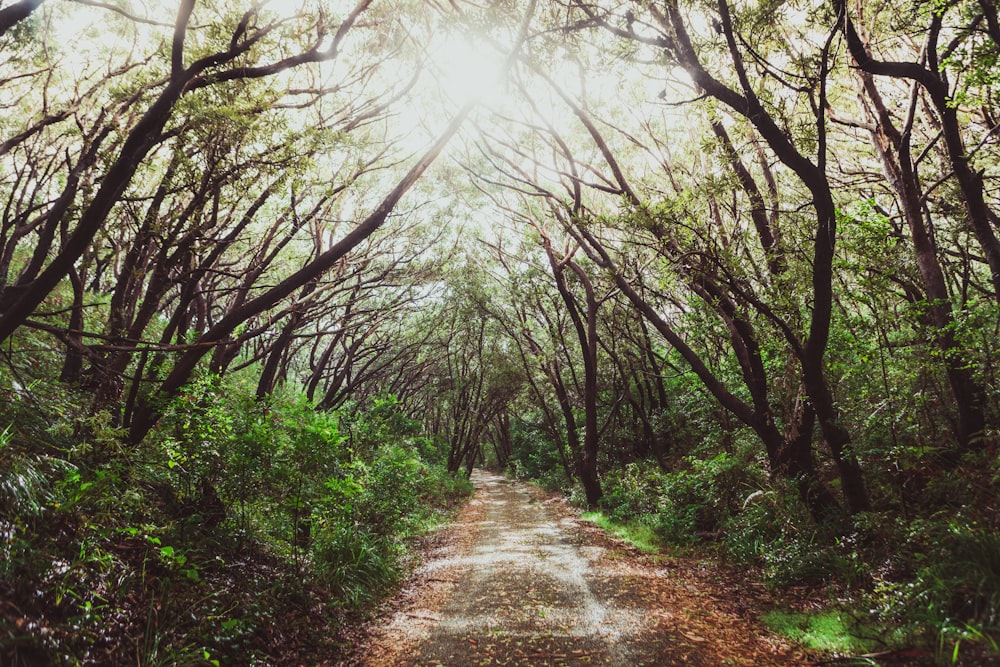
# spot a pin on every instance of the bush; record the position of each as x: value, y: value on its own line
x: 368, y: 511
x: 233, y: 512
x: 682, y: 506
x: 774, y: 533
x: 534, y: 456
x: 953, y: 595
x: 632, y: 493
x: 355, y: 562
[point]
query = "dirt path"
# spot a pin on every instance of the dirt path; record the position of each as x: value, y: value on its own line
x: 520, y: 580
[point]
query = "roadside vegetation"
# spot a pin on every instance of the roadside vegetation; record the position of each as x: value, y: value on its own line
x: 924, y: 584
x: 241, y: 531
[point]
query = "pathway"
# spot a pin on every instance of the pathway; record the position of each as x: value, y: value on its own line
x: 520, y: 580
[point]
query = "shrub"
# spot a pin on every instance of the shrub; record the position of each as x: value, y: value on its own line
x: 632, y: 493
x: 367, y: 512
x: 233, y: 512
x: 534, y: 456
x: 355, y: 562
x: 953, y: 596
x: 682, y: 506
x: 773, y: 532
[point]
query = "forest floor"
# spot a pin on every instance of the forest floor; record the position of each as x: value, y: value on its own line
x: 520, y: 579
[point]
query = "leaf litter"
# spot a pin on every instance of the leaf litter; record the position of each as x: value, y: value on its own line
x: 519, y: 579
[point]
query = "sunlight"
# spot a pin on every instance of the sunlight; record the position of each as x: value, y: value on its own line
x: 467, y: 71
x: 456, y: 68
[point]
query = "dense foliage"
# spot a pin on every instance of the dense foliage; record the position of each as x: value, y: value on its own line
x: 233, y: 513
x: 272, y: 276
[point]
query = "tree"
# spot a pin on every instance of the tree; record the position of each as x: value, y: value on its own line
x: 185, y: 365
x: 228, y: 63
x: 743, y: 99
x: 933, y: 78
x: 893, y: 145
x: 13, y: 14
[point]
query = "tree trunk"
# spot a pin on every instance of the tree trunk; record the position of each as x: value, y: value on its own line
x: 901, y: 173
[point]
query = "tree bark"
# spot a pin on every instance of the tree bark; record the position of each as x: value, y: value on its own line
x: 893, y: 147
x: 930, y: 78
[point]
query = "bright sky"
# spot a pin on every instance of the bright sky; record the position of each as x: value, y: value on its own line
x: 459, y: 66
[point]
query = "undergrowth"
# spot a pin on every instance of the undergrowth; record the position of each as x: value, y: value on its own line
x: 639, y: 536
x: 239, y: 532
x: 931, y: 581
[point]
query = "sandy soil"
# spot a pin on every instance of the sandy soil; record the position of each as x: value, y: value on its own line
x: 519, y: 579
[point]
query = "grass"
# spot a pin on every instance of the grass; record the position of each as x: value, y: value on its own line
x: 830, y: 631
x: 639, y: 536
